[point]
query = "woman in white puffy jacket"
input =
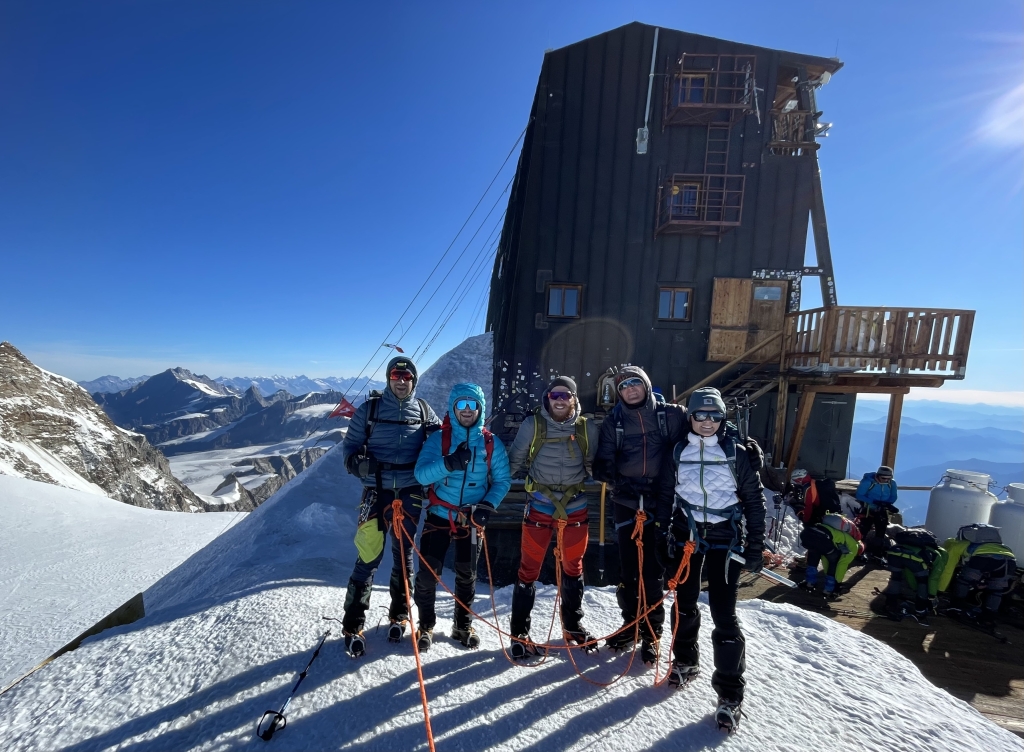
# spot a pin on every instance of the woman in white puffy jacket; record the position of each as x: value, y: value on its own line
x: 719, y: 502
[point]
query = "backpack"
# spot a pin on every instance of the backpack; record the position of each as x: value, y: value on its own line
x: 540, y: 438
x: 838, y: 522
x: 979, y: 533
x: 916, y: 537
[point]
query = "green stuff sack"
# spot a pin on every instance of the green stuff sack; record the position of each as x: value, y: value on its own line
x: 369, y: 541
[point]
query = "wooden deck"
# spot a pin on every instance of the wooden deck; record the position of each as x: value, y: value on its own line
x: 967, y: 663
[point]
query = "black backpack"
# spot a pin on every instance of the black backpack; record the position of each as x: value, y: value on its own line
x: 916, y: 537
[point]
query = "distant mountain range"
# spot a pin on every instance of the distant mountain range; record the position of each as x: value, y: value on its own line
x: 267, y: 385
x: 52, y: 431
x: 181, y: 412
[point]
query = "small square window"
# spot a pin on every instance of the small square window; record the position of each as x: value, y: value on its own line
x: 674, y: 303
x: 684, y: 200
x: 564, y: 301
x: 690, y: 89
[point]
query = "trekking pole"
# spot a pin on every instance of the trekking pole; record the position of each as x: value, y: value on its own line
x: 277, y: 717
x: 600, y: 536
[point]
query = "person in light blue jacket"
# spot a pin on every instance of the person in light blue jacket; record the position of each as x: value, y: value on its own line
x: 877, y: 493
x: 467, y: 471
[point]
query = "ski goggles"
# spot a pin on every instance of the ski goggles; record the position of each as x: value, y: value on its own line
x: 633, y: 381
x: 466, y: 404
x: 702, y: 415
x: 560, y: 396
x: 404, y: 376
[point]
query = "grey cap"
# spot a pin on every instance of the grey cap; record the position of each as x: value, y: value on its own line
x: 884, y: 470
x: 706, y: 398
x: 562, y: 381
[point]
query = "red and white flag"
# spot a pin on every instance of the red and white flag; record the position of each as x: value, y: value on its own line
x: 345, y: 409
x: 395, y: 347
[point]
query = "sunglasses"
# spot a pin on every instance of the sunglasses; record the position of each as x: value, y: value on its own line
x: 626, y: 383
x: 405, y: 376
x: 703, y: 415
x: 560, y: 396
x: 466, y: 404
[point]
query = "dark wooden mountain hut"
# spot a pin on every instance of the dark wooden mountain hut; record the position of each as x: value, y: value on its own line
x: 660, y: 215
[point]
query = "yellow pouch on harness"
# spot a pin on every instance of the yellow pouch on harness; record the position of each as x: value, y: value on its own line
x: 369, y: 541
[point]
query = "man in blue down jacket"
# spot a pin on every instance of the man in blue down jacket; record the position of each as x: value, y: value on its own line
x: 384, y: 439
x: 465, y: 487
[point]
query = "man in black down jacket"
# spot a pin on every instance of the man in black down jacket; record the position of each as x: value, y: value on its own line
x: 636, y: 440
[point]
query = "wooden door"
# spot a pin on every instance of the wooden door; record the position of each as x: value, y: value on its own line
x: 745, y: 312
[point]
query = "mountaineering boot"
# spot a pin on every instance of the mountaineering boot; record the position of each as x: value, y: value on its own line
x: 468, y: 636
x: 396, y: 631
x: 649, y: 652
x: 579, y: 636
x: 728, y: 714
x: 523, y: 596
x: 830, y: 593
x: 355, y: 644
x: 810, y: 579
x: 522, y: 648
x: 572, y: 602
x: 682, y: 674
x: 624, y: 640
x: 424, y: 639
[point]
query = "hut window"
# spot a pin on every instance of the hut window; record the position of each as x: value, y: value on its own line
x: 674, y: 303
x: 564, y: 301
x: 684, y: 200
x: 689, y: 89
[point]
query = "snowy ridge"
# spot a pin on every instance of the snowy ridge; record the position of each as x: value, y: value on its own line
x: 227, y: 632
x: 469, y: 361
x: 51, y: 430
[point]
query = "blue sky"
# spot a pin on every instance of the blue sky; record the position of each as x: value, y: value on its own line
x: 252, y: 188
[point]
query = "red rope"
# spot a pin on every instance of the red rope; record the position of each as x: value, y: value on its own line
x: 397, y: 513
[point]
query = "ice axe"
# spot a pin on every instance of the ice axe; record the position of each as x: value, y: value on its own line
x: 768, y: 574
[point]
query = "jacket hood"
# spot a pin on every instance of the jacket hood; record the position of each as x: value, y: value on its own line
x: 472, y: 391
x: 628, y: 372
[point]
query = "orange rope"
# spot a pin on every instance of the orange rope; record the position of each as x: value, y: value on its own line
x: 396, y: 525
x: 682, y: 574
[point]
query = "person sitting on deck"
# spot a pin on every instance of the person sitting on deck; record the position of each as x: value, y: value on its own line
x: 555, y: 446
x: 836, y: 541
x: 877, y: 494
x: 986, y: 568
x: 916, y: 561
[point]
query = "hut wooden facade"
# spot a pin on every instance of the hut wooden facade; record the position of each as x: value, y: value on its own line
x: 660, y: 215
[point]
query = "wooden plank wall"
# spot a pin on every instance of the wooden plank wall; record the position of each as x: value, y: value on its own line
x: 583, y: 208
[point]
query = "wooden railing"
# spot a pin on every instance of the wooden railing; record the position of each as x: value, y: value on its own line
x: 901, y: 341
x: 792, y: 133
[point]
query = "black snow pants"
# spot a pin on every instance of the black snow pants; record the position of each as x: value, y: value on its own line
x: 437, y: 536
x: 628, y: 594
x: 726, y: 639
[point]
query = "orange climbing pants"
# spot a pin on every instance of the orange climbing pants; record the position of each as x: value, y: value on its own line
x: 538, y: 530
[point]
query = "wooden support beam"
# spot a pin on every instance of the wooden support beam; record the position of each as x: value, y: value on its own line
x: 763, y: 390
x: 855, y: 389
x: 803, y: 417
x: 781, y: 405
x: 892, y: 430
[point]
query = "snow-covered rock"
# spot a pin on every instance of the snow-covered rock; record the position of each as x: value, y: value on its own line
x: 68, y: 558
x: 470, y: 361
x: 52, y: 431
x: 299, y: 384
x: 111, y: 384
x: 227, y: 632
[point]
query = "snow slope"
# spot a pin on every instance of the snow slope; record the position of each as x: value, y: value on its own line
x: 68, y: 558
x: 228, y: 631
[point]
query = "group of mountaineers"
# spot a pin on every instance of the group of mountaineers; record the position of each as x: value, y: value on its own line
x: 687, y: 504
x: 973, y: 568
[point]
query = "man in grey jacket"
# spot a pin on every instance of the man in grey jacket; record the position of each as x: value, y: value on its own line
x: 383, y: 441
x: 555, y: 446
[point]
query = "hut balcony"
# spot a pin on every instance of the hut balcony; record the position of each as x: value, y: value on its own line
x: 878, y: 344
x: 700, y: 204
x: 709, y: 89
x: 793, y: 133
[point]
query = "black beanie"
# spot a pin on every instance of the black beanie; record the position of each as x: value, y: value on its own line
x: 563, y: 381
x: 402, y: 363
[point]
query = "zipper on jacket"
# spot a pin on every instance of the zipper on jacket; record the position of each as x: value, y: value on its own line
x: 643, y: 436
x: 702, y: 489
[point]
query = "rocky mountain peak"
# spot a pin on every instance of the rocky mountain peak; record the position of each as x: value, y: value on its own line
x: 51, y: 430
